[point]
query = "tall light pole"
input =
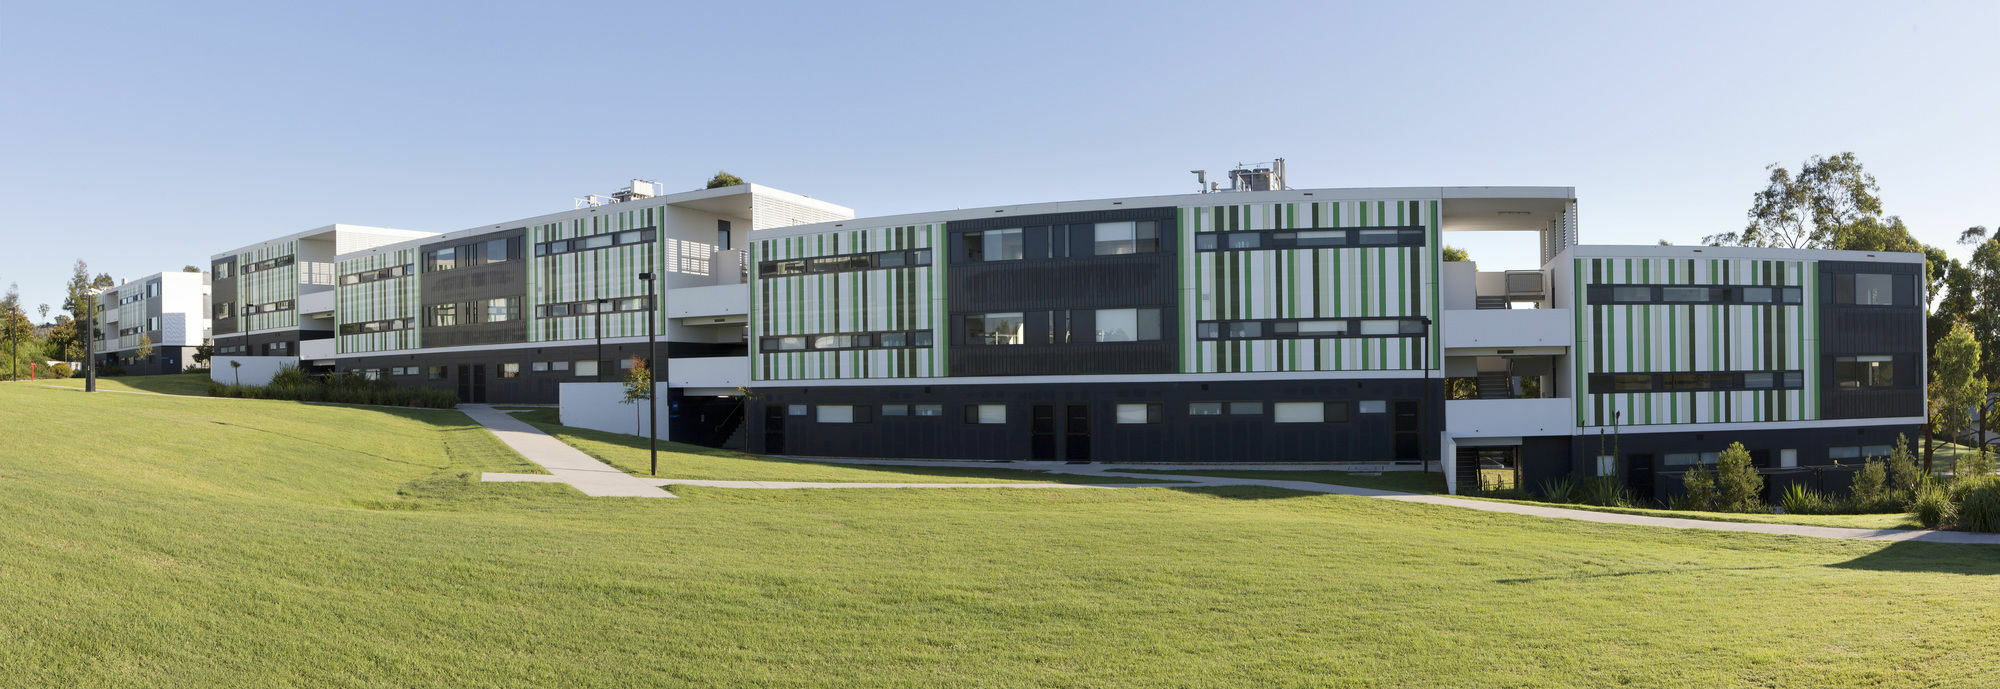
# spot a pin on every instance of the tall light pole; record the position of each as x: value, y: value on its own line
x: 600, y: 338
x: 90, y: 340
x: 652, y: 364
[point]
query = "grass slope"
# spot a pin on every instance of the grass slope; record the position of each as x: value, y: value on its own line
x: 191, y: 383
x: 679, y: 460
x: 243, y: 543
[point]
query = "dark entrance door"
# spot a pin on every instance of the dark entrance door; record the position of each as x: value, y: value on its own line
x: 774, y: 429
x: 1076, y: 433
x: 1042, y: 431
x: 1639, y: 475
x: 1408, y: 424
x: 472, y: 383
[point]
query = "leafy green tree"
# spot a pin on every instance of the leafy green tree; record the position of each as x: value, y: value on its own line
x: 1982, y: 296
x: 1956, y: 389
x: 638, y: 386
x: 14, y: 328
x: 1452, y: 253
x: 1699, y: 485
x: 145, y: 350
x: 1870, y: 482
x: 190, y: 269
x: 722, y: 178
x: 1903, y: 474
x: 1807, y: 211
x: 1738, y: 486
x: 204, y: 352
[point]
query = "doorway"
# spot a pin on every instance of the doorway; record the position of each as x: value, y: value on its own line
x: 774, y: 429
x: 1639, y: 475
x: 1076, y: 433
x: 1052, y: 437
x: 1408, y: 426
x: 472, y: 383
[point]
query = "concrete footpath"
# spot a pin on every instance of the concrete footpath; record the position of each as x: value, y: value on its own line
x: 564, y: 463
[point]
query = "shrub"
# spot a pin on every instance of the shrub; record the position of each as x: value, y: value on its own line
x: 62, y: 370
x: 1737, y: 483
x: 1699, y: 486
x: 342, y: 389
x: 1559, y: 490
x: 1979, y: 505
x: 1603, y: 491
x: 1976, y: 464
x: 1798, y: 499
x: 290, y: 376
x: 1870, y: 483
x: 1933, y: 507
x: 1904, y: 476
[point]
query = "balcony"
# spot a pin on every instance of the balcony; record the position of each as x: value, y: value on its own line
x: 716, y: 373
x: 1510, y: 418
x: 1519, y: 329
x: 709, y: 302
x: 315, y: 351
x: 316, y: 304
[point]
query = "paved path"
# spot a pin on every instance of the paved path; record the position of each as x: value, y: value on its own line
x: 786, y: 485
x: 566, y: 464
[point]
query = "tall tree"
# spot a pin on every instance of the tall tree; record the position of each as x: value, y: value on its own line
x: 145, y: 350
x: 1452, y: 253
x: 1804, y: 211
x: 14, y: 327
x: 1956, y: 388
x: 1982, y: 296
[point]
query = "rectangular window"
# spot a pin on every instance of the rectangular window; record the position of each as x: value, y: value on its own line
x: 224, y: 270
x: 1298, y: 412
x: 1374, y: 407
x: 986, y: 413
x: 1882, y: 451
x: 1138, y: 413
x: 1323, y: 327
x: 895, y: 339
x: 895, y: 410
x: 1321, y: 238
x: 930, y: 410
x: 721, y: 235
x: 596, y: 241
x: 993, y: 245
x: 1380, y: 327
x: 586, y: 369
x: 510, y: 370
x: 1867, y: 289
x: 1378, y: 237
x: 442, y: 259
x: 1245, y: 240
x: 540, y: 366
x: 1246, y: 329
x: 495, y: 251
x: 434, y: 373
x: 833, y: 342
x: 1795, y: 379
x: 1118, y: 238
x: 995, y: 329
x: 1204, y: 409
x: 441, y: 315
x: 1757, y: 295
x: 1853, y: 372
x: 1128, y: 325
x: 1246, y: 408
x: 1683, y: 294
x: 1680, y: 459
x: 1204, y: 242
x: 1607, y: 465
x: 559, y: 365
x: 502, y: 310
x: 1794, y: 295
x: 836, y: 413
x: 796, y: 410
x: 1759, y: 380
x: 1847, y: 452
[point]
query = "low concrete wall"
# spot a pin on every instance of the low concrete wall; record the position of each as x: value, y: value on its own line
x: 601, y: 407
x: 255, y: 370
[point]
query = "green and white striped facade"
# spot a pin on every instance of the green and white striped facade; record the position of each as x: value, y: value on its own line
x: 1310, y: 283
x: 610, y: 273
x: 396, y: 298
x: 1667, y: 338
x: 907, y: 298
x: 268, y: 286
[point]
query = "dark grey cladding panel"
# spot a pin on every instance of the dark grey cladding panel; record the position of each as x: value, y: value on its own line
x: 1081, y: 283
x: 531, y: 386
x: 1897, y: 331
x: 222, y: 290
x: 1178, y: 437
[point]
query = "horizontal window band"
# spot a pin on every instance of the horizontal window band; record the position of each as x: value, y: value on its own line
x: 1695, y: 295
x: 1312, y: 238
x: 368, y: 276
x: 829, y: 342
x: 1311, y: 328
x: 843, y: 263
x: 588, y: 307
x: 593, y: 242
x: 1699, y: 381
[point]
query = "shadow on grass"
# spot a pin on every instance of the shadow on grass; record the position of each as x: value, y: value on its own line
x: 1939, y: 558
x: 1635, y: 573
x: 193, y: 384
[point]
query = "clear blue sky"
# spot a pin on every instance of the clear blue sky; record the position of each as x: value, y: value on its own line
x: 146, y: 136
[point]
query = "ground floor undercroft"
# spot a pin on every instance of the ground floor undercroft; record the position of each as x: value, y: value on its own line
x: 165, y: 359
x: 1281, y: 420
x: 523, y: 375
x: 1651, y: 464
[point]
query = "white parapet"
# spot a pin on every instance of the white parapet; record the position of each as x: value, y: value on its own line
x: 247, y: 370
x: 1510, y: 418
x: 1511, y: 328
x: 713, y: 300
x: 709, y: 372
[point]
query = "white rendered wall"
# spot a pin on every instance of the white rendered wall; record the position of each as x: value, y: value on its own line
x: 256, y: 370
x: 601, y: 407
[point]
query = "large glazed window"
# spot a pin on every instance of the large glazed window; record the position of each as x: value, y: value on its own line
x: 995, y: 329
x: 1131, y: 237
x: 1865, y: 289
x: 1857, y: 372
x: 1128, y: 325
x: 994, y: 245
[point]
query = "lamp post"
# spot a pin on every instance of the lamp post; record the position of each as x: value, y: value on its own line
x: 652, y: 364
x: 600, y: 338
x: 90, y: 341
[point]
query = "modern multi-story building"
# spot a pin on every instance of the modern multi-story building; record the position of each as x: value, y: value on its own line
x: 275, y: 298
x: 153, y: 324
x: 1275, y: 325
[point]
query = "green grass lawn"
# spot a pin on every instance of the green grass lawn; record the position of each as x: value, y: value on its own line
x: 680, y: 460
x: 190, y: 383
x: 1853, y: 521
x: 1405, y: 481
x: 157, y: 541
